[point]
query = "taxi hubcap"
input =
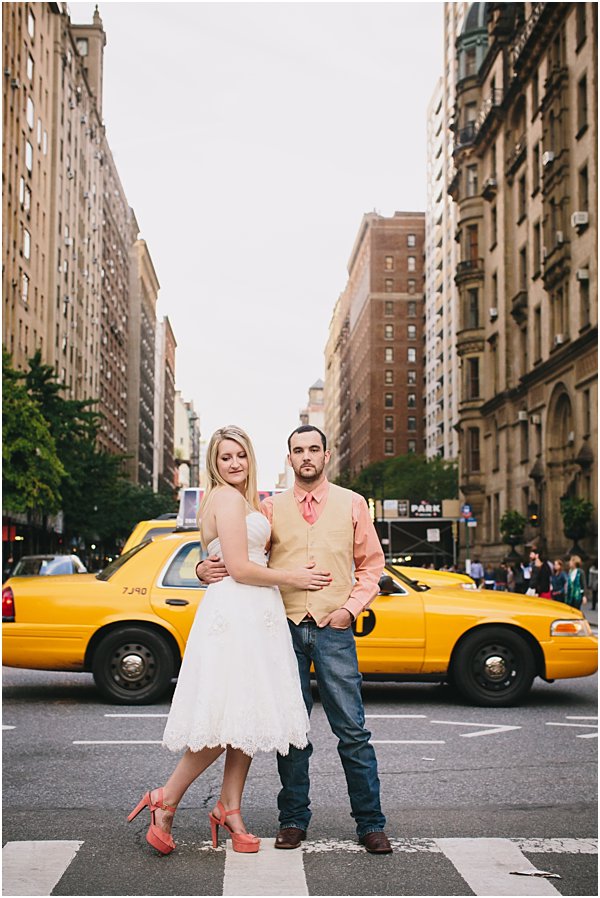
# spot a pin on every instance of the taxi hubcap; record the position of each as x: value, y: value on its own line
x: 495, y: 667
x: 133, y: 666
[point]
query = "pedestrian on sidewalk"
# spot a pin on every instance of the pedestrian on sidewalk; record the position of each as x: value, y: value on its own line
x: 576, y: 585
x: 558, y: 582
x: 539, y: 584
x: 593, y: 583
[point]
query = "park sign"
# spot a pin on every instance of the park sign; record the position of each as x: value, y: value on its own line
x: 426, y: 509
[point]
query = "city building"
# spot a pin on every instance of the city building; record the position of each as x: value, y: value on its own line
x: 186, y: 442
x: 441, y: 252
x: 143, y: 294
x: 331, y: 390
x: 376, y: 344
x: 525, y: 186
x: 164, y: 477
x: 313, y: 413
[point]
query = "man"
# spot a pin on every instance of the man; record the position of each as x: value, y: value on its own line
x: 477, y: 572
x: 318, y: 521
x: 539, y: 583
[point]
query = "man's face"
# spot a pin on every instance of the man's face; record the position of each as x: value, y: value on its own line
x: 532, y: 556
x: 307, y: 456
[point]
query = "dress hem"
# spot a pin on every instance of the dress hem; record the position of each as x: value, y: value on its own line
x: 179, y: 745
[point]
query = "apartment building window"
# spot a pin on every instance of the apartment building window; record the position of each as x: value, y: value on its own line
x: 389, y: 307
x: 389, y: 354
x: 522, y: 198
x: 28, y: 156
x: 493, y: 227
x: 472, y: 307
x: 412, y: 354
x: 473, y: 378
x: 388, y: 377
x: 388, y: 400
x: 580, y: 24
x: 524, y: 440
x: 26, y: 243
x: 412, y: 263
x: 30, y: 66
x: 473, y: 454
x: 496, y: 448
x: 558, y: 312
x: 587, y: 413
x: 411, y: 377
x: 412, y: 400
x: 536, y: 168
x: 30, y: 24
x: 411, y: 423
x: 411, y: 308
x: 535, y: 93
x: 411, y: 240
x: 584, y: 302
x: 412, y: 286
x: 523, y: 268
x: 388, y: 331
x: 24, y: 288
x: 389, y: 285
x: 388, y: 422
x: 412, y: 446
x: 584, y: 194
x: 30, y: 113
x: 24, y: 195
x: 537, y: 334
x: 412, y: 331
x: 472, y: 180
x: 389, y: 263
x: 472, y: 243
x: 537, y: 249
x: 582, y: 106
x: 389, y: 447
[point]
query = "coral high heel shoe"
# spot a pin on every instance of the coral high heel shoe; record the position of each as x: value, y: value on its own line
x: 155, y: 836
x: 243, y: 842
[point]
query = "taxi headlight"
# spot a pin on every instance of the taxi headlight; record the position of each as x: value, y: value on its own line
x: 570, y: 628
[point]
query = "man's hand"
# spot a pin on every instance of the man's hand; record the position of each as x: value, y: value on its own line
x: 340, y: 619
x: 211, y: 570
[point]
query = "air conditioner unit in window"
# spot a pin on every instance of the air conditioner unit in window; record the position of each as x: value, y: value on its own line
x: 571, y: 437
x: 68, y: 241
x: 15, y: 83
x: 493, y: 314
x: 579, y: 219
x: 559, y: 339
x: 535, y: 419
x: 560, y: 237
x: 583, y: 274
x: 523, y: 416
x: 547, y: 157
x: 70, y: 174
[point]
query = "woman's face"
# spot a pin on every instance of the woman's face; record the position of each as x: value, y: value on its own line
x: 232, y: 463
x: 558, y: 566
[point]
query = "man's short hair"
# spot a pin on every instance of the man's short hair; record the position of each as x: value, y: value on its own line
x: 306, y: 428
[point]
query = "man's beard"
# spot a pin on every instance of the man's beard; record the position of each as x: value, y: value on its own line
x: 306, y: 475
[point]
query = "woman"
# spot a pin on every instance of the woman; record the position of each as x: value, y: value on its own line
x: 576, y: 583
x: 558, y: 582
x: 238, y: 689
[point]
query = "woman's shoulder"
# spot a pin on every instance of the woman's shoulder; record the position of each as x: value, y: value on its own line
x: 226, y: 496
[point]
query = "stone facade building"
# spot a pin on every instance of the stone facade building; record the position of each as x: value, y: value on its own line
x: 376, y: 344
x: 164, y: 407
x: 526, y: 189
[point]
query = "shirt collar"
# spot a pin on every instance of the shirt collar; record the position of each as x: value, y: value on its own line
x: 319, y: 493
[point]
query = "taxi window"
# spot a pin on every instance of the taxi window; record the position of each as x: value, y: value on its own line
x: 114, y: 566
x: 181, y: 572
x: 159, y: 531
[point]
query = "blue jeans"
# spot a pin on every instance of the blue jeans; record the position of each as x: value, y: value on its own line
x: 333, y: 653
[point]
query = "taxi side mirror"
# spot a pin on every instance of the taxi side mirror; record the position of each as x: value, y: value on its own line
x: 386, y: 585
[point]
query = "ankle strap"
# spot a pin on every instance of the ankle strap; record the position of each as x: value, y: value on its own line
x: 223, y: 813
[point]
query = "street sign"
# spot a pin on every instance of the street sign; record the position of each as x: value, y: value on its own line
x: 466, y: 511
x: 433, y: 535
x: 472, y: 523
x: 425, y: 509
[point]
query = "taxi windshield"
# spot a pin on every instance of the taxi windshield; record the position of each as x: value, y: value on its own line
x: 107, y: 572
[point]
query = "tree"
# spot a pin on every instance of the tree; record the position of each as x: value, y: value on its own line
x: 31, y: 469
x: 411, y: 477
x: 576, y: 513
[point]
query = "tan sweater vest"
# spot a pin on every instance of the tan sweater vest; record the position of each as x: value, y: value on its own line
x: 329, y: 542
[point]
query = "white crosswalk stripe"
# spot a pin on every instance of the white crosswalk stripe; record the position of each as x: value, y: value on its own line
x: 488, y: 867
x: 34, y: 868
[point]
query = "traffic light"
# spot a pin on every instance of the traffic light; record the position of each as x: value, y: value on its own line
x: 533, y: 514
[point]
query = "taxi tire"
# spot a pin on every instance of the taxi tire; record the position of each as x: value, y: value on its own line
x: 155, y: 656
x: 468, y: 667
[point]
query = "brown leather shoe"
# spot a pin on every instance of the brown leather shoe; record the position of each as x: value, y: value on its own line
x: 289, y: 837
x: 376, y: 843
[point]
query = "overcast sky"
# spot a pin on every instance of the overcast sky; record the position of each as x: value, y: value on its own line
x: 250, y: 139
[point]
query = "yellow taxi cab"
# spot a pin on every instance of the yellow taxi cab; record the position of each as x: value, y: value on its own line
x: 128, y: 625
x: 166, y: 523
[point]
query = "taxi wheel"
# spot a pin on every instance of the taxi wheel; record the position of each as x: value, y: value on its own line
x: 493, y: 667
x: 133, y: 666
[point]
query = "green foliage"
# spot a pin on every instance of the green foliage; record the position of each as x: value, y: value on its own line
x: 576, y: 514
x: 31, y: 469
x: 411, y: 477
x: 512, y: 524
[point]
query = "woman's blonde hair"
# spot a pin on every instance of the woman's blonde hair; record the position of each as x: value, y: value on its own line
x: 576, y: 560
x: 229, y: 432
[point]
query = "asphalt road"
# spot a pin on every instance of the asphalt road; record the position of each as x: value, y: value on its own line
x: 490, y: 782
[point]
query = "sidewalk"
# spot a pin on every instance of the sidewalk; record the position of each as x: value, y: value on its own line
x: 592, y: 616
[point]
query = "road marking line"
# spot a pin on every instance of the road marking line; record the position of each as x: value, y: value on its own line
x: 491, y: 728
x: 412, y: 846
x: 571, y: 724
x: 268, y: 872
x: 557, y: 846
x: 404, y: 716
x: 5, y: 726
x: 587, y: 735
x: 486, y: 865
x: 34, y: 868
x: 136, y: 715
x: 408, y: 742
x: 117, y: 742
x: 578, y: 717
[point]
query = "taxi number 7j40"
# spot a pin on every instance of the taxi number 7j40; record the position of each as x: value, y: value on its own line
x: 134, y: 590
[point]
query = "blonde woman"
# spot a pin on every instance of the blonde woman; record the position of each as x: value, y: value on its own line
x: 576, y: 583
x: 238, y: 689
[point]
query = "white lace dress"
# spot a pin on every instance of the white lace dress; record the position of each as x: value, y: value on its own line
x: 239, y: 683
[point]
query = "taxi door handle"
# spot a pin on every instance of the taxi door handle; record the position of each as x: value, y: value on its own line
x: 176, y: 602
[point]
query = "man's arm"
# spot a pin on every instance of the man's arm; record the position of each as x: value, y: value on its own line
x: 212, y: 569
x: 369, y: 562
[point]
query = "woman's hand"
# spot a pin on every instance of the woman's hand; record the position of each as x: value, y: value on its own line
x: 307, y: 578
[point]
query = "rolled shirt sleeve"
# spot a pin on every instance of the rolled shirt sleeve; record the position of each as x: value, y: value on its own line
x: 369, y: 560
